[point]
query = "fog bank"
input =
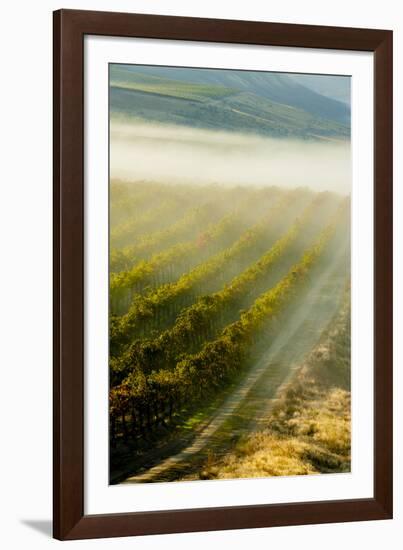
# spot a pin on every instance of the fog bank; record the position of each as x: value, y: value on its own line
x: 177, y: 154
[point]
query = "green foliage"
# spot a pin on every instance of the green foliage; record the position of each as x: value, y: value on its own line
x: 199, y: 322
x: 146, y: 312
x: 157, y: 393
x: 138, y: 225
x: 208, y: 232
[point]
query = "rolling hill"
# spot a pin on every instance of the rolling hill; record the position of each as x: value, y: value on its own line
x: 264, y: 103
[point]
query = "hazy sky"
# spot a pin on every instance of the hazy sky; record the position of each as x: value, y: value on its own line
x: 336, y: 87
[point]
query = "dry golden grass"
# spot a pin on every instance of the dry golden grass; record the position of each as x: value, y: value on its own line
x: 308, y: 428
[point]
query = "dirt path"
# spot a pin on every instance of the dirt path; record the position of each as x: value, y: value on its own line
x: 248, y: 405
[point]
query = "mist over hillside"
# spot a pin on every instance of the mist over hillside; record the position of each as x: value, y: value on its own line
x: 173, y: 154
x: 179, y: 125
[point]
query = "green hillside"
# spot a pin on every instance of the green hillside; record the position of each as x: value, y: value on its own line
x: 122, y: 79
x: 157, y: 99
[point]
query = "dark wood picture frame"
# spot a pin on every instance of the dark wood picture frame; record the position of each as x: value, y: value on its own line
x: 70, y: 27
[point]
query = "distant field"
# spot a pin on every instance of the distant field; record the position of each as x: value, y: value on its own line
x: 208, y: 287
x: 185, y: 90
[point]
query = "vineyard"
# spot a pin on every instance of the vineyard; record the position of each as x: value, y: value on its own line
x: 204, y: 283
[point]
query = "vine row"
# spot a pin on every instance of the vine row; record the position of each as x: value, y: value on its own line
x: 152, y: 398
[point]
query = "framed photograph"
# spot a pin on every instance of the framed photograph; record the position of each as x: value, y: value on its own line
x: 222, y: 274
